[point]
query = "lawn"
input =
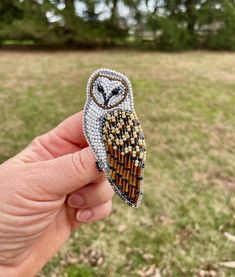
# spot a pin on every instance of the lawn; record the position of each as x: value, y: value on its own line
x: 186, y: 104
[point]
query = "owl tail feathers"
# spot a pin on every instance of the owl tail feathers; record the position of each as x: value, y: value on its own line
x: 134, y: 203
x: 122, y: 194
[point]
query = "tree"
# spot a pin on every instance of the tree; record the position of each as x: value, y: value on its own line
x: 160, y: 24
x: 25, y: 20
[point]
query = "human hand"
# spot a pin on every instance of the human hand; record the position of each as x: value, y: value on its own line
x: 47, y: 190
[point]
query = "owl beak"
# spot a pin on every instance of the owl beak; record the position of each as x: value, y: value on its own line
x: 106, y: 101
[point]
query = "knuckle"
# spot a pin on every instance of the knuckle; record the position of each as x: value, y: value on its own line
x: 106, y: 192
x: 107, y: 210
x: 102, y: 196
x: 110, y: 190
x: 8, y: 257
x: 79, y: 163
x: 36, y: 141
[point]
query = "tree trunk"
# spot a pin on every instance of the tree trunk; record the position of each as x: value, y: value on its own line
x: 114, y: 10
x: 190, y: 10
x: 69, y: 4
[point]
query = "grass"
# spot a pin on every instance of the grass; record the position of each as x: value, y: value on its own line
x: 186, y: 103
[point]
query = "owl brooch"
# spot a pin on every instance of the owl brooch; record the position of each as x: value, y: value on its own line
x: 114, y: 133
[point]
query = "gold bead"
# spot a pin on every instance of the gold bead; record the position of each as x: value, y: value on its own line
x: 144, y: 155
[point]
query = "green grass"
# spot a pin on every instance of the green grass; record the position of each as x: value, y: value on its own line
x: 186, y: 104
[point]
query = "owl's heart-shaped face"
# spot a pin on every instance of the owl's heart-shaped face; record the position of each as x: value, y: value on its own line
x: 108, y: 92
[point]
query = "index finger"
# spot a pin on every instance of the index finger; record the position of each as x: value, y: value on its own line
x: 66, y: 138
x: 71, y: 130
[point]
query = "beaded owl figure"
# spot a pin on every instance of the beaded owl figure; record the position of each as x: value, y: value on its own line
x: 114, y: 133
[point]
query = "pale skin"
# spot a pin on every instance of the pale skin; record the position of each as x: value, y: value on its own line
x: 48, y: 190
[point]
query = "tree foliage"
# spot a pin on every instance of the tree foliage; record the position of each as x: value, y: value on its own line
x: 156, y: 24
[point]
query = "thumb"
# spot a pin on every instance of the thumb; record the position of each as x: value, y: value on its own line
x: 67, y: 173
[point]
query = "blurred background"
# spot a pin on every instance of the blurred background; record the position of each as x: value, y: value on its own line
x: 151, y: 24
x: 186, y: 104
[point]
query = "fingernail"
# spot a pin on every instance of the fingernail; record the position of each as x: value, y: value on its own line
x: 84, y: 215
x: 76, y: 201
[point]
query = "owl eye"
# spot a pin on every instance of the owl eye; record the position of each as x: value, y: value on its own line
x: 100, y: 88
x: 116, y: 91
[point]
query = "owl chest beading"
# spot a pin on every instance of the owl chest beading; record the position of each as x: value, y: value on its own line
x: 93, y: 121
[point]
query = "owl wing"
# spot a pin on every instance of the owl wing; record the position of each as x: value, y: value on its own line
x: 125, y: 146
